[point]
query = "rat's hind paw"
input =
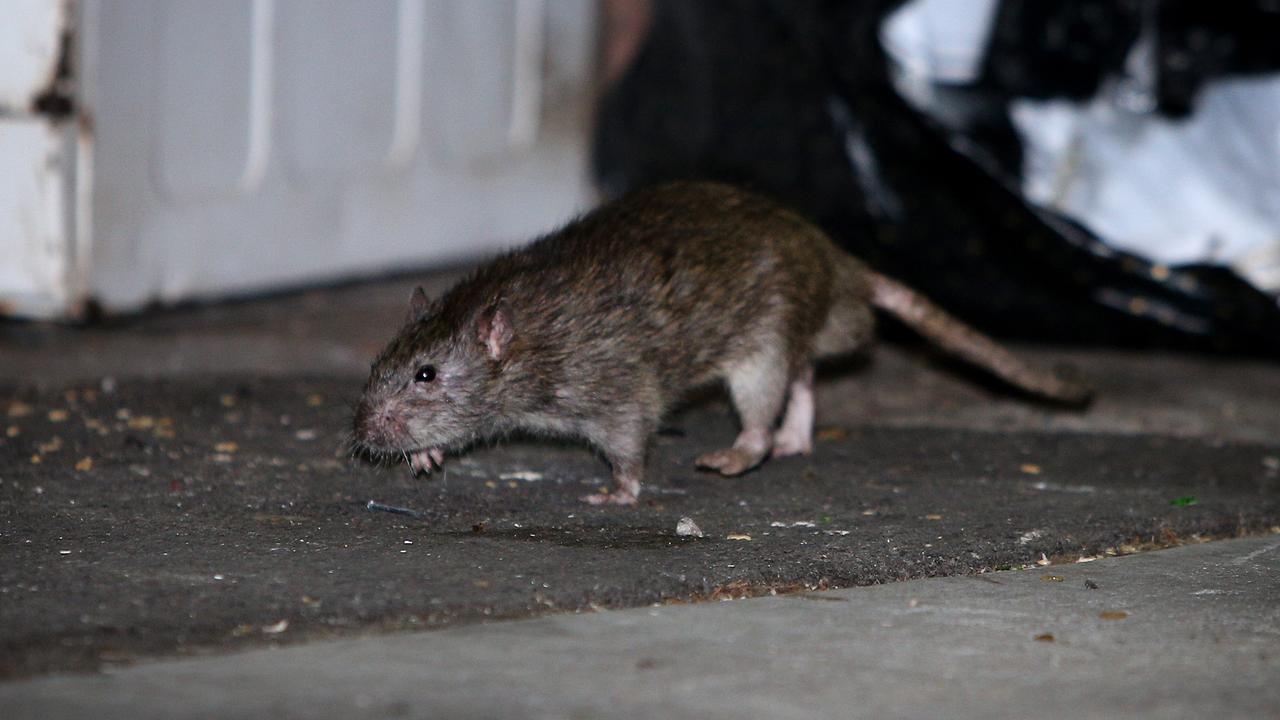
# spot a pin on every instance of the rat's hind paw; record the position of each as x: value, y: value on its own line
x: 729, y: 461
x: 786, y: 444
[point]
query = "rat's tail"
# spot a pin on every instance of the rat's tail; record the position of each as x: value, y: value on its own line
x: 957, y: 338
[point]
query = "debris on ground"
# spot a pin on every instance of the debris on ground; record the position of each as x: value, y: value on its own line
x: 686, y: 527
x: 18, y: 409
x: 1029, y: 535
x: 831, y: 434
x: 521, y: 475
x: 375, y: 506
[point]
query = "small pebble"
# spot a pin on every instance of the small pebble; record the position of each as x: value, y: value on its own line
x: 686, y: 527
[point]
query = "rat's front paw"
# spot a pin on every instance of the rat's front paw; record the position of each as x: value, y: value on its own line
x: 426, y: 460
x: 613, y: 498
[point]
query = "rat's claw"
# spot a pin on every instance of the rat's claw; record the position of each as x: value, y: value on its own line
x: 422, y: 458
x: 438, y: 455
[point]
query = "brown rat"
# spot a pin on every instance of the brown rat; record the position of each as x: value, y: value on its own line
x: 594, y: 331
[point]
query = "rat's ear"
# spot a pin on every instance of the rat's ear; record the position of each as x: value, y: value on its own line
x: 417, y: 304
x: 495, y: 331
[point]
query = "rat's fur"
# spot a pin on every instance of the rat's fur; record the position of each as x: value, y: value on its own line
x: 596, y: 330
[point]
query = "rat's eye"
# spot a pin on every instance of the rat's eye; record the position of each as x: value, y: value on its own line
x: 426, y: 373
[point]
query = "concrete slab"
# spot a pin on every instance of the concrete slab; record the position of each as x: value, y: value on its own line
x: 1190, y: 632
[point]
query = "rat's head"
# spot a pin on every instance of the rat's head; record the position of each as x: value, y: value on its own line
x: 432, y: 386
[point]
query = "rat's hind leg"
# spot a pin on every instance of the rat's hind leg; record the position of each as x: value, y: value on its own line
x: 795, y: 437
x: 758, y: 386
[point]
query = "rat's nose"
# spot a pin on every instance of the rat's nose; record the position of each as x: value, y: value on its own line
x: 371, y: 424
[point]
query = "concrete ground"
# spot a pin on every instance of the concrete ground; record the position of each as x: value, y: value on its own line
x: 1191, y: 632
x: 174, y: 485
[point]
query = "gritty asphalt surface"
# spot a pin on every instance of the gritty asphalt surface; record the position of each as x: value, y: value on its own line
x: 201, y: 500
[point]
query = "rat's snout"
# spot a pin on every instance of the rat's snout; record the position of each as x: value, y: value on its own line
x: 374, y: 425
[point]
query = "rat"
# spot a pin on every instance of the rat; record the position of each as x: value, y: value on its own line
x: 594, y: 331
